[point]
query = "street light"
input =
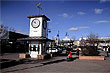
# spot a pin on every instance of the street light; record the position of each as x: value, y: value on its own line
x: 49, y: 30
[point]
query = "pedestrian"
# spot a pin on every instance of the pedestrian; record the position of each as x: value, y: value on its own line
x: 107, y: 50
x: 38, y: 49
x: 77, y: 51
x: 69, y: 57
x: 34, y: 47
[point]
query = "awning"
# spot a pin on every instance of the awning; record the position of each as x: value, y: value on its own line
x: 35, y: 39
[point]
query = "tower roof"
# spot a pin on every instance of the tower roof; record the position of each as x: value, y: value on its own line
x: 33, y: 16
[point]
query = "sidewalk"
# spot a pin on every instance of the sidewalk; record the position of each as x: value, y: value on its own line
x: 12, y: 59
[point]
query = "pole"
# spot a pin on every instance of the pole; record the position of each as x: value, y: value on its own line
x: 39, y: 6
x: 39, y: 11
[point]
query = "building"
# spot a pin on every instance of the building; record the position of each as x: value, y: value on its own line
x: 38, y: 36
x: 11, y: 44
x: 104, y: 41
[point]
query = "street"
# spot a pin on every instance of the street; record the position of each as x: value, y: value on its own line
x: 56, y: 64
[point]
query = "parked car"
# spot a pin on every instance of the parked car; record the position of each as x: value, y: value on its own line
x: 74, y: 49
x: 53, y: 50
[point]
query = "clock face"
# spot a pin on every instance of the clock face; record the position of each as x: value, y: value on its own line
x: 35, y: 23
x: 44, y: 24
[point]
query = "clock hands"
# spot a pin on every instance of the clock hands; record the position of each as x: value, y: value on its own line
x: 35, y: 22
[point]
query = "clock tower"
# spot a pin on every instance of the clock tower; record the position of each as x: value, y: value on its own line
x: 38, y: 36
x: 38, y: 26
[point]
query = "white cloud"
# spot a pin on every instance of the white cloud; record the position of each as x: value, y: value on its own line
x: 73, y: 29
x: 78, y: 28
x: 102, y: 1
x: 64, y: 15
x: 98, y: 11
x: 84, y: 27
x: 103, y: 21
x: 81, y: 13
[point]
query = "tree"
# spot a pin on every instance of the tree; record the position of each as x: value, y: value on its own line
x: 92, y: 39
x: 4, y: 36
x: 90, y: 45
x: 4, y: 32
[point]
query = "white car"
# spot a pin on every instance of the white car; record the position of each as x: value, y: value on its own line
x: 53, y: 50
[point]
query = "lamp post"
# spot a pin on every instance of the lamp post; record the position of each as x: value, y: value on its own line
x: 58, y: 38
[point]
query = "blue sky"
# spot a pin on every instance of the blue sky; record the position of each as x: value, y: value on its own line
x: 77, y: 18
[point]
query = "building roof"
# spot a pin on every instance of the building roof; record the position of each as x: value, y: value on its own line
x: 15, y: 35
x: 33, y: 16
x: 66, y: 39
x: 11, y: 35
x: 35, y: 39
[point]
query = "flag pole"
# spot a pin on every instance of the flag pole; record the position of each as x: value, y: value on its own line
x: 39, y: 11
x: 39, y: 6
